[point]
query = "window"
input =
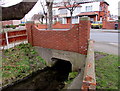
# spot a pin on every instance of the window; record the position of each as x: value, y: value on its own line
x: 63, y: 11
x: 60, y: 19
x: 88, y: 8
x: 91, y: 19
x: 100, y: 8
x: 64, y: 21
x: 100, y: 18
x: 54, y: 12
x: 75, y: 20
x: 77, y: 10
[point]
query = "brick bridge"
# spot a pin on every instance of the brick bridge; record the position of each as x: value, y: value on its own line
x: 71, y: 45
x: 73, y: 40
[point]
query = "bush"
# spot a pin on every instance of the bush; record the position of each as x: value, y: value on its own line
x: 101, y: 26
x: 21, y: 24
x: 10, y: 26
x: 7, y: 26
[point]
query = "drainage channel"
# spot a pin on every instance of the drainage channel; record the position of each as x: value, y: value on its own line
x: 47, y: 79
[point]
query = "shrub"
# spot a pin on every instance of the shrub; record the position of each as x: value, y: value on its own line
x: 7, y: 26
x: 13, y: 26
x: 101, y: 26
x: 21, y: 24
x: 10, y: 26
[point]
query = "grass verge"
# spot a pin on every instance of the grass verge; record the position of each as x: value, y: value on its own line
x: 19, y: 62
x: 107, y: 71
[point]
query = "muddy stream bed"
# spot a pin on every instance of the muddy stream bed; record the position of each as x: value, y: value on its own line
x: 47, y: 79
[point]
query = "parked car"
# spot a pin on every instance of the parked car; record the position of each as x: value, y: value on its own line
x: 96, y: 24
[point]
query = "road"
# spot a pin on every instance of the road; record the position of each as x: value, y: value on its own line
x: 106, y: 40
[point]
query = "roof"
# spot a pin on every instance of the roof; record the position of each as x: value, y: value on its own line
x: 87, y: 13
x: 69, y: 6
x: 105, y: 2
x: 92, y: 1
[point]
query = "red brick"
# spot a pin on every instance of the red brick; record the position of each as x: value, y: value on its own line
x: 74, y: 40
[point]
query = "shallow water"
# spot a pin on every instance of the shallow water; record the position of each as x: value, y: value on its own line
x: 48, y: 79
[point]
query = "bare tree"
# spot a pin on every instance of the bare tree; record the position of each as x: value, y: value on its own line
x: 44, y: 12
x: 49, y: 4
x: 71, y: 6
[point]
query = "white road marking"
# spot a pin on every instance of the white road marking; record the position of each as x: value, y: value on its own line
x: 116, y: 44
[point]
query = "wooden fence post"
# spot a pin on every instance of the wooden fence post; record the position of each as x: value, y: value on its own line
x: 7, y: 40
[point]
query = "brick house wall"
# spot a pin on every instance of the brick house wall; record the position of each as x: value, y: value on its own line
x: 74, y: 40
x: 104, y: 12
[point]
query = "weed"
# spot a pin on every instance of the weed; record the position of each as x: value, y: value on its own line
x: 71, y: 76
x: 20, y: 61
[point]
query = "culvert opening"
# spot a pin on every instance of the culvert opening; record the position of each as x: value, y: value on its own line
x: 48, y: 79
x: 63, y: 67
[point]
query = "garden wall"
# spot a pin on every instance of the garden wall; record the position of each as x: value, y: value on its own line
x: 57, y: 25
x: 73, y: 40
x: 109, y: 24
x: 119, y: 25
x: 12, y: 36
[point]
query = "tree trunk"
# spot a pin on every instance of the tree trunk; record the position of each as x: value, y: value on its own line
x: 71, y: 19
x: 46, y: 21
x: 50, y: 17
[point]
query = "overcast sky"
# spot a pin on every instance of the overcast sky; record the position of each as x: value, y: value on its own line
x: 113, y: 6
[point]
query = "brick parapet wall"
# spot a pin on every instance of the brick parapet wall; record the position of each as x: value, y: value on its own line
x: 74, y: 40
x: 29, y: 27
x: 57, y: 25
x: 84, y: 35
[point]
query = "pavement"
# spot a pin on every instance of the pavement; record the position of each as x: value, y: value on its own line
x: 106, y: 30
x: 109, y: 48
x: 106, y: 40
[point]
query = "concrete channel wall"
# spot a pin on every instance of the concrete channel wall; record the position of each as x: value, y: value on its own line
x: 86, y: 79
x: 77, y: 60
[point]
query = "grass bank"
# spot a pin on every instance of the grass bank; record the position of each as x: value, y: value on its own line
x: 107, y: 72
x: 19, y: 62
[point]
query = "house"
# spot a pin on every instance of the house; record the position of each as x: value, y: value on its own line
x: 97, y: 11
x: 63, y: 15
